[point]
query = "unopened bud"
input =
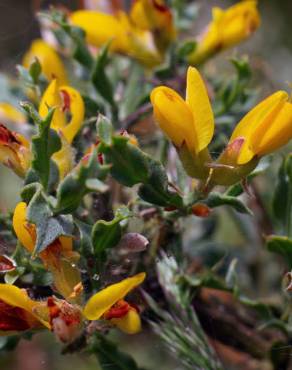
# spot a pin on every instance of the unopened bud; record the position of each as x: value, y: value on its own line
x: 201, y: 210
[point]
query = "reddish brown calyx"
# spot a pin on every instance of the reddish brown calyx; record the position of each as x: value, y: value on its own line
x: 7, y: 136
x: 12, y: 318
x: 201, y: 210
x: 159, y: 6
x: 118, y: 310
x: 6, y: 264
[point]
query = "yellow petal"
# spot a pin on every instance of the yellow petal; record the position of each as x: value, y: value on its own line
x: 52, y: 66
x: 198, y: 100
x: 19, y: 225
x: 77, y: 113
x: 106, y: 298
x: 64, y: 158
x: 174, y: 116
x: 101, y: 28
x: 11, y: 114
x: 130, y: 323
x: 52, y: 99
x: 16, y: 297
x: 255, y: 123
x: 278, y: 134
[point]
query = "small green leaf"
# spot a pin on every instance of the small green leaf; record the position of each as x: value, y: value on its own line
x: 99, y: 78
x: 129, y: 163
x: 282, y: 246
x: 282, y: 201
x: 81, y: 52
x: 107, y: 234
x: 110, y: 357
x: 216, y: 200
x: 44, y: 144
x: 85, y: 230
x: 104, y: 129
x: 35, y: 70
x: 75, y: 185
x: 186, y: 48
x: 48, y: 227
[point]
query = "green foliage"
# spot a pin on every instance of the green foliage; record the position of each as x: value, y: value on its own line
x: 281, y: 245
x: 44, y: 144
x: 217, y: 199
x: 48, y: 226
x: 109, y: 356
x: 72, y: 189
x: 107, y: 234
x: 282, y: 202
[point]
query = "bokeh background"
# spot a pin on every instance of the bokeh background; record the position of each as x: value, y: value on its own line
x: 270, y: 52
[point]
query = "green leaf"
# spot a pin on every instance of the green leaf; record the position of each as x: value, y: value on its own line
x: 29, y: 190
x: 216, y: 200
x: 104, y: 129
x: 155, y: 190
x: 282, y: 201
x: 186, y: 48
x: 76, y: 184
x: 85, y: 230
x: 35, y: 70
x: 110, y: 357
x: 48, y: 227
x: 282, y: 246
x: 81, y: 52
x: 131, y: 166
x: 129, y: 163
x: 237, y: 189
x: 44, y: 144
x: 99, y: 78
x: 107, y: 234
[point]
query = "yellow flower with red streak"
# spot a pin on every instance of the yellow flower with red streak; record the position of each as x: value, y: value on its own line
x: 19, y: 313
x: 52, y: 65
x: 228, y: 28
x: 144, y: 34
x: 14, y: 151
x: 65, y: 100
x: 189, y: 124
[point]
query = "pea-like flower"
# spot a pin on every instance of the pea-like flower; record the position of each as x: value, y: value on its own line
x: 189, y: 124
x: 19, y: 313
x: 228, y: 28
x: 65, y: 100
x: 144, y: 34
x: 266, y: 128
x: 59, y: 257
x: 14, y: 151
x: 52, y: 65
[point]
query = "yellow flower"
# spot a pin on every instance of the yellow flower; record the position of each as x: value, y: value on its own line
x: 14, y: 151
x: 18, y: 312
x: 66, y: 100
x: 52, y: 65
x: 108, y: 303
x: 124, y: 36
x: 266, y: 128
x: 8, y: 113
x: 154, y: 16
x: 228, y: 28
x: 188, y: 123
x: 59, y: 257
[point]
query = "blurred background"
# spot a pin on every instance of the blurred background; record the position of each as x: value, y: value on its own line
x: 270, y: 53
